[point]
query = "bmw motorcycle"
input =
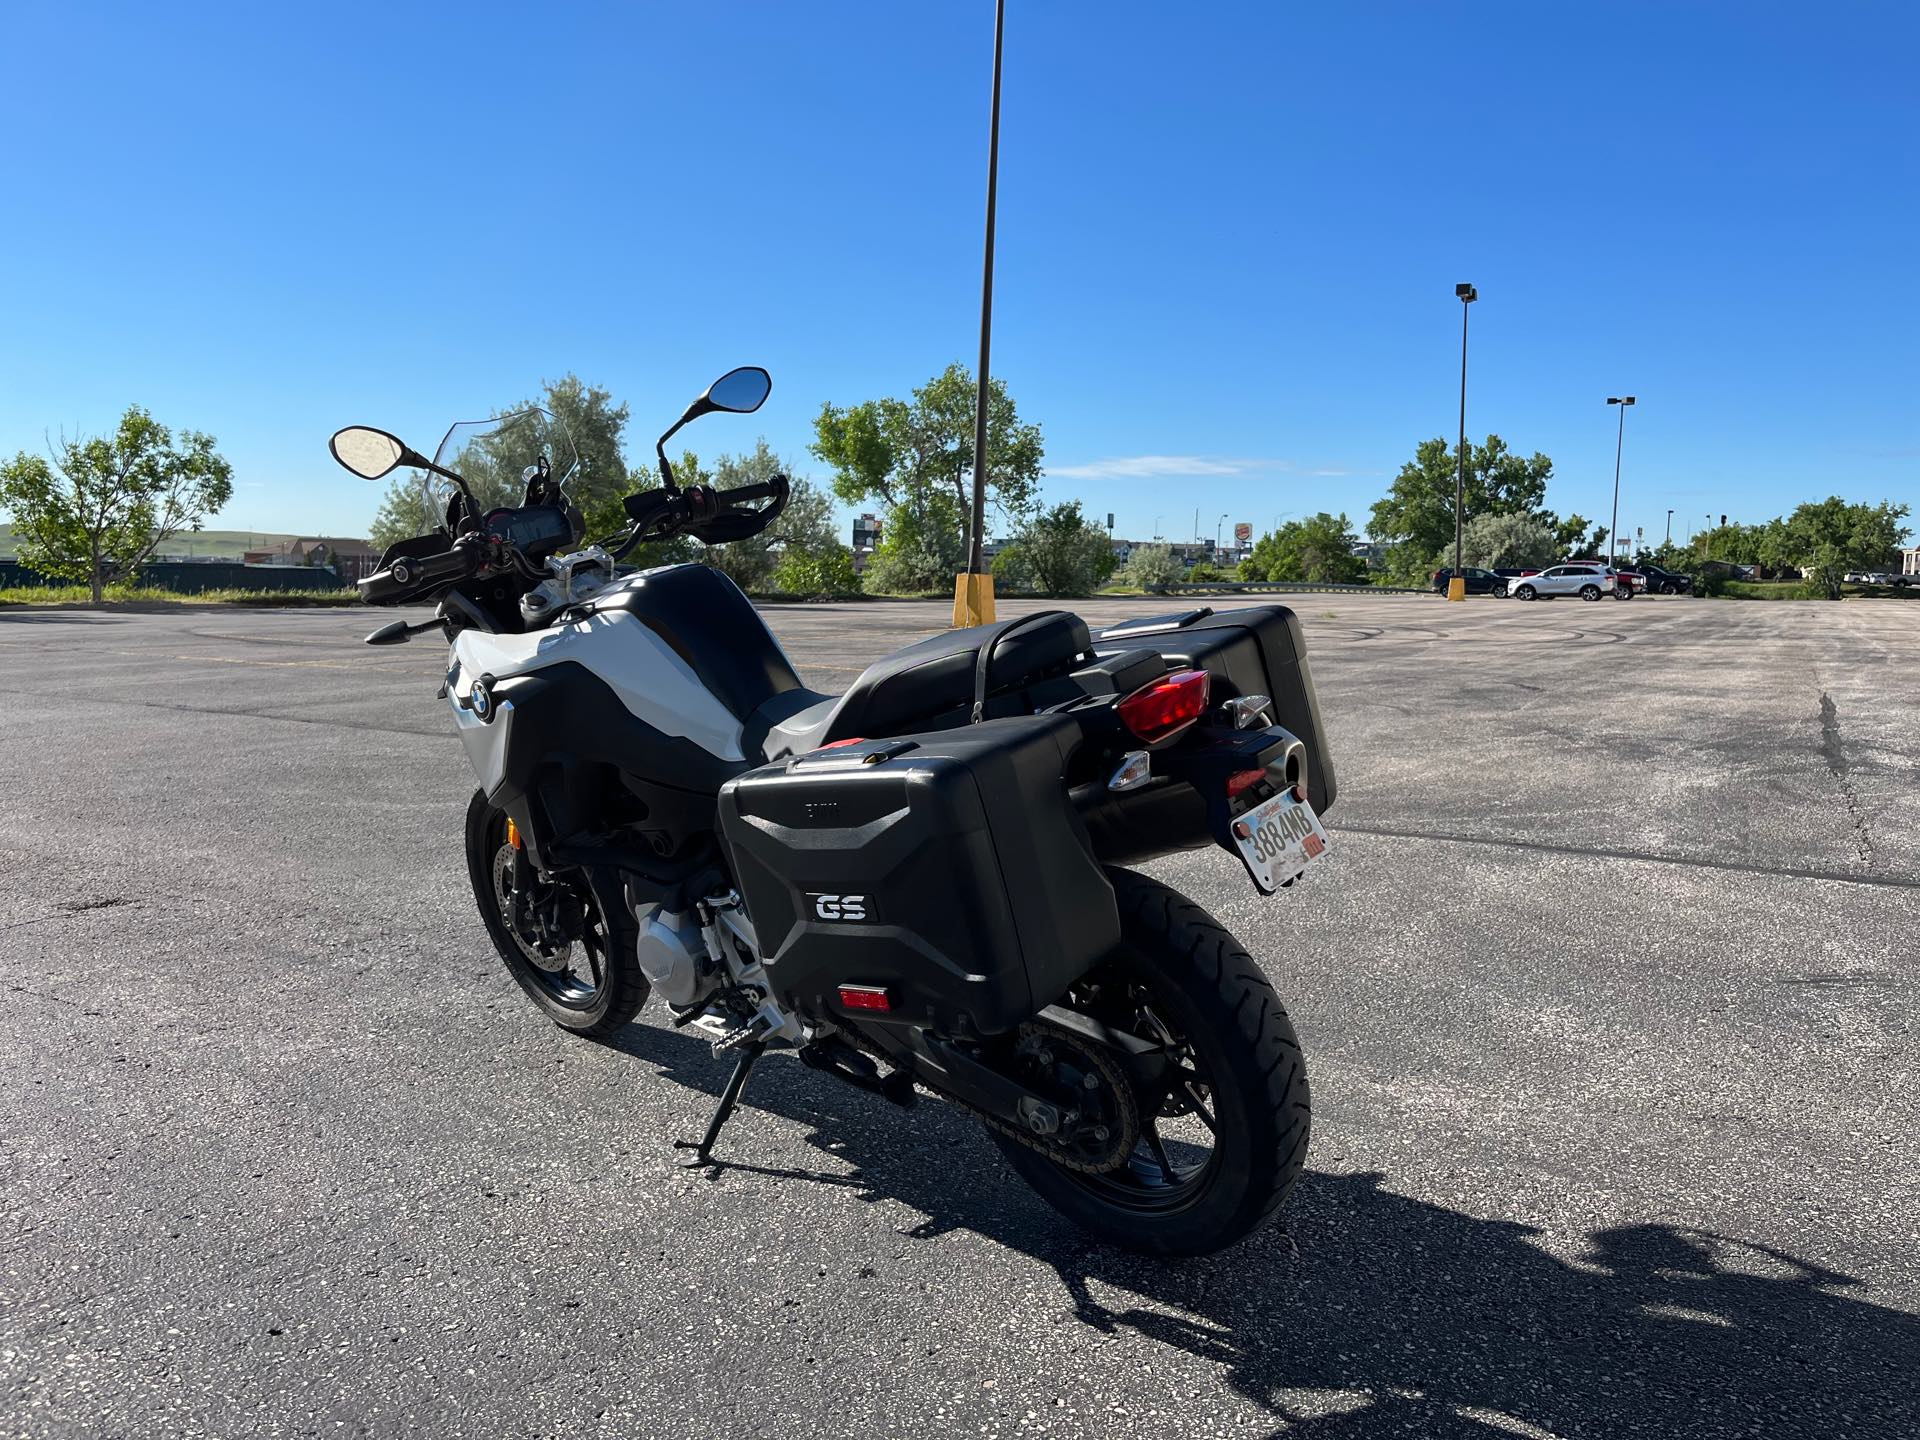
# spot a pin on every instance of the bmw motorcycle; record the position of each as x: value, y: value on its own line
x: 920, y: 885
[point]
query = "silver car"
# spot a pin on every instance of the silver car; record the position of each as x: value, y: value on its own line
x: 1589, y: 582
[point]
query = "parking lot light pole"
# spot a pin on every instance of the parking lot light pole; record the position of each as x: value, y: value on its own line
x: 973, y: 590
x: 1613, y: 539
x: 1669, y: 530
x: 1457, y: 582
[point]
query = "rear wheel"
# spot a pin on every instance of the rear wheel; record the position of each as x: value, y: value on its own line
x: 1217, y: 1088
x: 1589, y: 592
x: 576, y: 958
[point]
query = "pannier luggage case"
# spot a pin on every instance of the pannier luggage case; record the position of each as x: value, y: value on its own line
x: 949, y: 869
x: 1254, y: 651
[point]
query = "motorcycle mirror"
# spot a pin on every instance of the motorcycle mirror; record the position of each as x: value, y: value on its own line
x: 740, y: 391
x: 369, y: 453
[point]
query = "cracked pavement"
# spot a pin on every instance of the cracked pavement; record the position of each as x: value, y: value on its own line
x: 1608, y: 992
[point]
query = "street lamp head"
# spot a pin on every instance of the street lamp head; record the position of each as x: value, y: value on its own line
x: 1619, y: 399
x: 1466, y: 293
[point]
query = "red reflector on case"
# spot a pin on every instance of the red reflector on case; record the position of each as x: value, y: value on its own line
x: 1166, y: 707
x: 1243, y: 780
x: 865, y: 997
x: 836, y: 744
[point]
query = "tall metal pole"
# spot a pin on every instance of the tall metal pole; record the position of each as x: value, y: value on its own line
x: 1620, y: 440
x: 986, y: 310
x: 1669, y: 530
x: 1456, y: 583
x: 1460, y: 471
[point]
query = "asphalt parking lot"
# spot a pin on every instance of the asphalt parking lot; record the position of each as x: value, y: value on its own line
x: 1608, y: 990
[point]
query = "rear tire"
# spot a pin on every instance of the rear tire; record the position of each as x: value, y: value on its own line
x: 1209, y: 992
x: 612, y: 989
x: 1589, y: 592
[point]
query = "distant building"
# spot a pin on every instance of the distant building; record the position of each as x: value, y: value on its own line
x: 866, y: 538
x: 351, y: 559
x: 1910, y: 561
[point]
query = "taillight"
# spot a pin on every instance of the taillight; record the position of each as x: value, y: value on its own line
x: 1242, y: 781
x: 1166, y: 707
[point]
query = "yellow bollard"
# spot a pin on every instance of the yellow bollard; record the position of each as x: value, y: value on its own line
x: 972, y: 600
x: 1457, y: 588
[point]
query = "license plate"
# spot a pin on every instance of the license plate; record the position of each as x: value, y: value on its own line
x: 1278, y: 839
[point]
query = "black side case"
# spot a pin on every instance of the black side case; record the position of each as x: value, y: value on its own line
x: 978, y: 898
x: 1255, y: 651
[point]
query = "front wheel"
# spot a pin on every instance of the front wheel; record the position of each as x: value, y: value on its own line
x: 1217, y: 1090
x: 1526, y: 592
x: 1499, y: 592
x: 576, y: 958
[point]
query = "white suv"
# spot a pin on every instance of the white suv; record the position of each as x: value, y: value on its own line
x: 1589, y: 582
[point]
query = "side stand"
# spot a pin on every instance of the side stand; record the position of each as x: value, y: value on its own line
x: 729, y: 1097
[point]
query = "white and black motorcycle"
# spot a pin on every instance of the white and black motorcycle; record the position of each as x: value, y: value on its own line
x: 914, y: 885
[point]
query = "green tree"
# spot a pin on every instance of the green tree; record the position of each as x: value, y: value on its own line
x: 1418, y: 510
x: 907, y: 453
x: 921, y: 547
x: 1517, y: 540
x: 1832, y: 537
x: 585, y: 424
x: 1150, y: 566
x: 106, y: 504
x: 816, y: 572
x: 1318, y: 549
x: 1059, y: 552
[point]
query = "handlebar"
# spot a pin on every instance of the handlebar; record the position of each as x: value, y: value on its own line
x: 709, y: 515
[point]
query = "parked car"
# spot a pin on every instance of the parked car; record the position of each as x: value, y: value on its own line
x: 1661, y: 581
x: 1630, y: 582
x: 1511, y: 574
x: 1589, y: 582
x: 1479, y: 582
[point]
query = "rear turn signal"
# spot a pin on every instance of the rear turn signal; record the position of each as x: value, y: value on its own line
x: 865, y: 997
x: 1166, y: 707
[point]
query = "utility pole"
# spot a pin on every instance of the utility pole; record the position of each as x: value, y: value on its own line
x: 1669, y: 528
x: 1457, y: 582
x: 973, y: 591
x: 1613, y: 539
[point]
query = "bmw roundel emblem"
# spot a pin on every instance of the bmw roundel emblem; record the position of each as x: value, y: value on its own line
x: 482, y: 702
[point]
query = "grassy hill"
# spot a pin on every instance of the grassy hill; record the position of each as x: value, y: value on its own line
x: 226, y: 544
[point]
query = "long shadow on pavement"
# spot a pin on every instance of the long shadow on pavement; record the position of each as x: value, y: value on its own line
x: 1375, y: 1314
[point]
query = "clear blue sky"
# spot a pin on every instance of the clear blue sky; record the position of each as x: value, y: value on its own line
x: 1229, y: 234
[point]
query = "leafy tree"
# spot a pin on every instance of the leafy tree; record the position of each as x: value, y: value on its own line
x: 908, y: 452
x: 921, y: 547
x: 1202, y: 573
x: 1518, y: 540
x: 1151, y: 566
x: 1418, y: 510
x: 105, y: 504
x: 1059, y: 552
x: 816, y: 572
x: 1570, y: 535
x: 1832, y: 537
x: 1318, y: 549
x: 594, y: 429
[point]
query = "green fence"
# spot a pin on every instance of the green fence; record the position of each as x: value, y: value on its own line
x: 191, y: 579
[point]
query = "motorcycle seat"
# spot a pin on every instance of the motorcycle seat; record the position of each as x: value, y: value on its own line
x: 927, y: 685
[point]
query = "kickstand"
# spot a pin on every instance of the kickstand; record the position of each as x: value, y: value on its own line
x: 729, y: 1097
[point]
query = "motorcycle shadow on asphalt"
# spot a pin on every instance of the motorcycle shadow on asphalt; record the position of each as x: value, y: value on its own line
x: 1372, y: 1313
